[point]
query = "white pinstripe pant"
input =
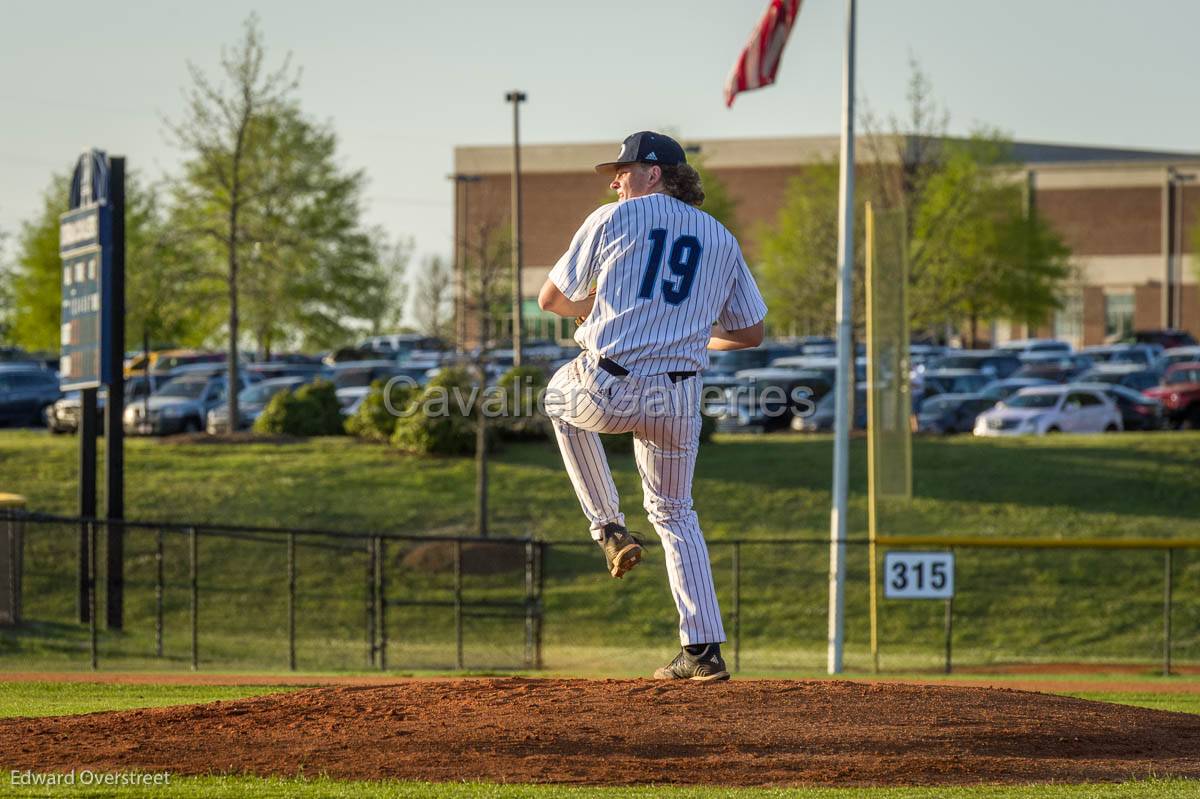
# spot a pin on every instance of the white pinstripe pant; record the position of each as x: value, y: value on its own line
x: 582, y: 401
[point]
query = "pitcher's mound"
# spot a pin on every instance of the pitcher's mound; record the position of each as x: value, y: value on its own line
x: 629, y: 731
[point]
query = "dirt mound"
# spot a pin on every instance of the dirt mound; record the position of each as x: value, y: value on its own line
x: 629, y: 732
x: 477, y: 558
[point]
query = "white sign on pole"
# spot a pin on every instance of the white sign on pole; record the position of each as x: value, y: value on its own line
x: 918, y: 575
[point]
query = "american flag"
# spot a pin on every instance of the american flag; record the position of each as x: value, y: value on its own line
x: 757, y: 64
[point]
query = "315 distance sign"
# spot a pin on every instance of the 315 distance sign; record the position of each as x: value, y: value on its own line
x: 918, y: 575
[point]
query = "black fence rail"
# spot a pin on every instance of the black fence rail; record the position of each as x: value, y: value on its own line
x: 221, y: 596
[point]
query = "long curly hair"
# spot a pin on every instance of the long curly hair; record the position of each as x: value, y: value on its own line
x: 682, y: 182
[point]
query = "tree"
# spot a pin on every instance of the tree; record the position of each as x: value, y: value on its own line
x: 973, y: 251
x: 797, y: 268
x: 221, y: 178
x: 36, y: 310
x: 384, y: 309
x: 263, y: 196
x: 310, y: 265
x: 434, y: 292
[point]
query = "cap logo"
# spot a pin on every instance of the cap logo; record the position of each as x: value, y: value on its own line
x: 651, y: 157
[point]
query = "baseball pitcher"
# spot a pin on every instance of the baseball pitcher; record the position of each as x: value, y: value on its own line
x: 657, y: 282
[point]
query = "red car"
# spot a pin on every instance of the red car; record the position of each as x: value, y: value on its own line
x: 1180, y: 395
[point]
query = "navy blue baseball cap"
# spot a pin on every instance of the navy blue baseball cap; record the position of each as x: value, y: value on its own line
x: 647, y: 147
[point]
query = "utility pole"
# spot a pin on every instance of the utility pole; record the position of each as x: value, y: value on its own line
x: 516, y: 97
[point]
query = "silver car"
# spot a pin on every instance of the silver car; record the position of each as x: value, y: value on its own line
x: 180, y: 406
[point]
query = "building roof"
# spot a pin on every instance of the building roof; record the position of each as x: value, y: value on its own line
x: 792, y: 151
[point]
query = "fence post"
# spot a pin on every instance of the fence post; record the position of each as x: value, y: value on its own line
x: 91, y: 592
x: 529, y: 599
x: 158, y: 593
x: 458, y: 608
x: 370, y: 602
x: 291, y: 603
x: 381, y: 592
x: 541, y: 589
x: 737, y: 605
x: 1168, y: 575
x: 949, y: 631
x: 194, y: 576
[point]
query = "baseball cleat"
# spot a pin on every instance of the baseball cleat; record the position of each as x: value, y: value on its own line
x: 703, y: 665
x: 621, y: 550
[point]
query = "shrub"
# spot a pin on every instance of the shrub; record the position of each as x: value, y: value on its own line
x: 524, y: 420
x: 311, y: 410
x: 444, y: 423
x: 373, y: 421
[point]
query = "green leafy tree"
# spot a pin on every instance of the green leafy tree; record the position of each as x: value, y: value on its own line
x: 975, y: 253
x: 36, y: 279
x: 270, y: 210
x: 797, y: 267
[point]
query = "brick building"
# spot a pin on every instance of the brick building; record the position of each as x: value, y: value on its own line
x: 1118, y: 210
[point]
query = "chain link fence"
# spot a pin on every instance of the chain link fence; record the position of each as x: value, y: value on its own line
x: 223, y: 597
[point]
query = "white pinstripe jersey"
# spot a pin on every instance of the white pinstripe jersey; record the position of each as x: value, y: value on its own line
x: 664, y: 271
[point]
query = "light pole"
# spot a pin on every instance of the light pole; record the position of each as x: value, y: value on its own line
x: 516, y: 97
x: 1173, y: 246
x: 460, y: 263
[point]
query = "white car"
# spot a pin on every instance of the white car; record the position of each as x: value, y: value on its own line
x: 1050, y: 409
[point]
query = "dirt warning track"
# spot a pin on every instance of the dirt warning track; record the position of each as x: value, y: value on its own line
x: 620, y: 732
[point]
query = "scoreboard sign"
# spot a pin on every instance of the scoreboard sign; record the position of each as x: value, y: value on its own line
x: 85, y: 244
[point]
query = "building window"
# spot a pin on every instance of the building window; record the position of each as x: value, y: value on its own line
x: 1068, y: 320
x: 1118, y: 315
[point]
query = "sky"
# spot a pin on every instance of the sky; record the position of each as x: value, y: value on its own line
x: 403, y: 82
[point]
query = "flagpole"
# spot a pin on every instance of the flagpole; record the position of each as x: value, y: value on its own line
x: 845, y: 359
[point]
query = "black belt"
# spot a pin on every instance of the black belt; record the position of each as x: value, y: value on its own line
x: 617, y: 370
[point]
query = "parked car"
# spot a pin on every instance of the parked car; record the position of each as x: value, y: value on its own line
x: 362, y: 373
x: 63, y: 416
x: 252, y: 401
x: 1168, y: 358
x: 763, y: 400
x: 1055, y: 366
x: 1027, y: 346
x: 25, y: 393
x: 952, y: 413
x: 1050, y: 409
x: 1167, y: 339
x: 999, y: 390
x: 1129, y: 375
x: 994, y: 363
x: 949, y: 381
x: 397, y: 344
x: 268, y: 370
x: 1138, y: 412
x: 728, y: 362
x: 823, y: 416
x: 1139, y: 354
x: 180, y: 406
x: 1180, y: 395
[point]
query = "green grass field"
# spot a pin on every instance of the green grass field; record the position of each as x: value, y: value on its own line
x: 33, y: 698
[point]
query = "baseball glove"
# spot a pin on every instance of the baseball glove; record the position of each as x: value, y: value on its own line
x: 579, y: 320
